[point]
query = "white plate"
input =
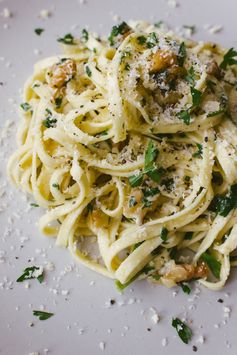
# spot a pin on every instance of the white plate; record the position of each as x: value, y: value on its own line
x: 122, y: 328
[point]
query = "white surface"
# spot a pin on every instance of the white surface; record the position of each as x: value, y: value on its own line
x: 82, y: 321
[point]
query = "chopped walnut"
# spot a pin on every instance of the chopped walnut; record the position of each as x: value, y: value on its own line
x: 61, y: 73
x: 184, y: 272
x: 213, y: 69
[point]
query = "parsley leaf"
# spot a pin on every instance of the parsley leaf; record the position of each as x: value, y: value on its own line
x: 229, y: 58
x: 152, y: 40
x: 223, y: 204
x: 42, y: 315
x: 185, y: 116
x: 213, y: 264
x: 56, y: 186
x: 144, y: 270
x: 67, y: 39
x: 88, y: 71
x: 135, y: 180
x: 198, y: 154
x: 196, y: 96
x: 164, y: 234
x: 141, y: 40
x: 121, y: 29
x: 151, y: 191
x: 25, y: 106
x: 183, y: 330
x: 28, y: 274
x: 188, y: 235
x: 185, y: 287
x: 191, y: 76
x: 215, y: 113
x: 150, y: 154
x: 49, y: 122
x: 154, y: 173
x: 38, y: 31
x: 58, y: 102
x: 85, y: 35
x: 34, y: 205
x: 182, y: 54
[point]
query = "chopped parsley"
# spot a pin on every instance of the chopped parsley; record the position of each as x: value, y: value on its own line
x: 151, y: 191
x: 213, y: 264
x: 152, y: 40
x: 38, y: 31
x: 67, y: 39
x: 136, y: 180
x: 42, y: 315
x: 190, y: 77
x: 56, y: 186
x: 154, y: 173
x: 141, y: 40
x: 146, y: 270
x: 88, y: 71
x: 132, y: 202
x: 146, y: 203
x: 121, y: 29
x: 164, y: 234
x: 34, y: 205
x: 182, y: 329
x: 229, y: 58
x: 150, y: 154
x: 58, y: 102
x: 25, y: 106
x: 188, y: 235
x: 215, y: 113
x: 28, y: 274
x: 182, y: 54
x: 196, y: 96
x: 223, y: 204
x: 184, y: 115
x: 199, y: 152
x: 49, y: 122
x: 185, y: 287
x: 85, y: 35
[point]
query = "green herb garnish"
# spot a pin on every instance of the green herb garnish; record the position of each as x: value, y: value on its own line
x: 199, y: 152
x: 150, y: 154
x: 196, y: 96
x: 223, y: 204
x: 56, y: 186
x: 58, y: 102
x: 141, y: 40
x: 67, y: 39
x: 164, y: 234
x: 85, y: 35
x: 28, y: 274
x: 34, y: 205
x: 152, y: 40
x: 213, y: 264
x: 159, y: 24
x: 144, y: 270
x: 182, y: 329
x: 151, y: 191
x: 38, y: 31
x: 121, y: 29
x: 25, y: 106
x: 188, y: 235
x: 42, y: 315
x: 184, y: 115
x: 88, y: 71
x: 185, y: 287
x: 49, y: 122
x: 182, y: 54
x: 229, y: 58
x: 136, y: 180
x: 154, y: 173
x: 190, y: 77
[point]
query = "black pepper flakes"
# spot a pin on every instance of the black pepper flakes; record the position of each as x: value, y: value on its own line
x: 112, y: 301
x: 220, y: 300
x: 195, y: 348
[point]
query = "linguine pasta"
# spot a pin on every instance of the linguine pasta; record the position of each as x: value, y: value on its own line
x: 130, y: 146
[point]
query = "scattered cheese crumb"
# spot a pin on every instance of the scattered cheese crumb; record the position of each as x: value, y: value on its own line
x: 172, y: 3
x: 102, y: 346
x: 6, y: 13
x: 164, y: 342
x: 215, y: 29
x: 201, y: 339
x: 44, y: 14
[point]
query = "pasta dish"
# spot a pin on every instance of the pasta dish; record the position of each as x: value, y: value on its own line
x: 130, y: 144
